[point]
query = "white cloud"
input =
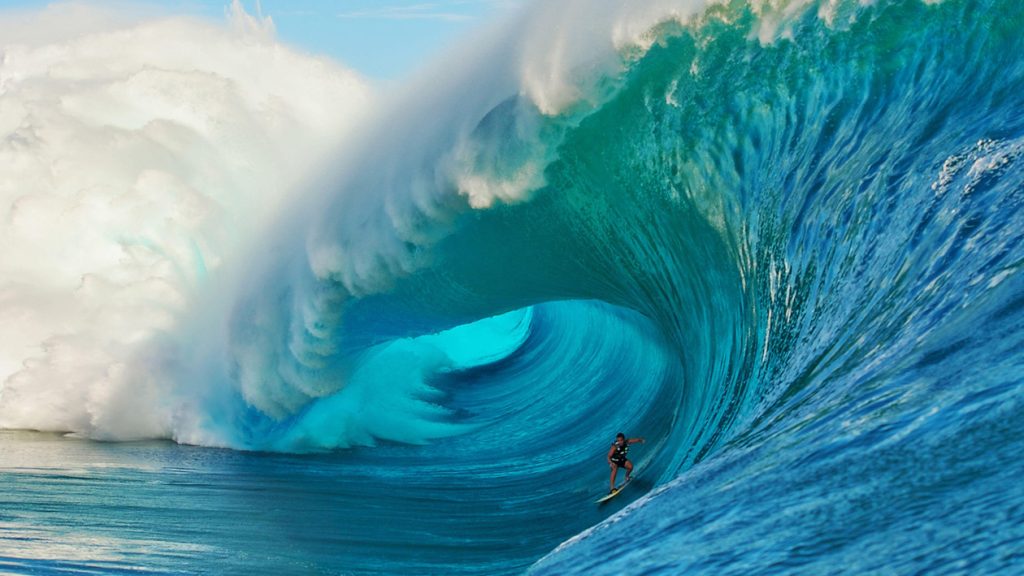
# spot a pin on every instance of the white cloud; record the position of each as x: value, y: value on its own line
x: 452, y: 11
x: 433, y: 11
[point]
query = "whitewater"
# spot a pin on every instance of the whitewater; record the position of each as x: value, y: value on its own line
x: 259, y: 314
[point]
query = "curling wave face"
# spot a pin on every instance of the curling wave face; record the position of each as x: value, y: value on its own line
x: 782, y: 240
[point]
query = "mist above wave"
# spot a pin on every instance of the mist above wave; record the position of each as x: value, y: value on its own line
x: 138, y: 152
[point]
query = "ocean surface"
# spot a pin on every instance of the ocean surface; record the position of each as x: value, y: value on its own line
x: 322, y: 327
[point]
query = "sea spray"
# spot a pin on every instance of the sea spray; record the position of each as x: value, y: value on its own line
x: 138, y: 156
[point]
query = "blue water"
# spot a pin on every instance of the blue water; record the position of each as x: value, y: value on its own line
x: 488, y: 500
x: 792, y: 264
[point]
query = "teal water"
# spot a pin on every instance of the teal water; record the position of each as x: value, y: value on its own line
x: 457, y: 505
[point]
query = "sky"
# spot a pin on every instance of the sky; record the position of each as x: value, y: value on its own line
x: 382, y: 39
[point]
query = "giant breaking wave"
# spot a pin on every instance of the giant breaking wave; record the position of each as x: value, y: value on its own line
x: 783, y: 239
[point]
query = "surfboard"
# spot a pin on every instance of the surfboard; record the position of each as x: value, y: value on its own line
x: 613, y: 493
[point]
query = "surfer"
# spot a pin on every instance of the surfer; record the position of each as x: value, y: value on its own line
x: 617, y: 457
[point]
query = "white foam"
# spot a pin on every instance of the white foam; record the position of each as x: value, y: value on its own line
x: 137, y: 153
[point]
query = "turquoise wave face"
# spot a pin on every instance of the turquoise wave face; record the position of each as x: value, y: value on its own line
x: 793, y: 264
x: 853, y: 352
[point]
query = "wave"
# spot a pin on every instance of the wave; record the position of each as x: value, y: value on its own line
x: 783, y: 238
x: 139, y: 154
